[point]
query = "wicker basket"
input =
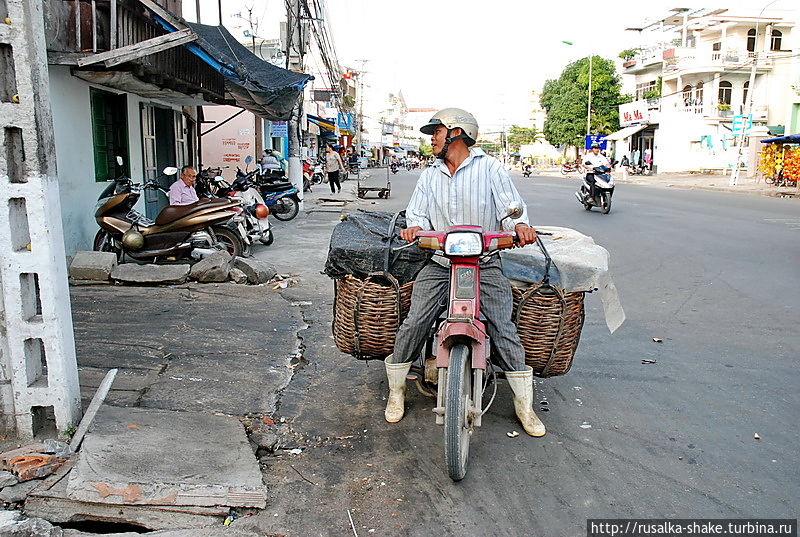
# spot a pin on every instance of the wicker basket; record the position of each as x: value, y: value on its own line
x: 549, y: 323
x: 367, y: 314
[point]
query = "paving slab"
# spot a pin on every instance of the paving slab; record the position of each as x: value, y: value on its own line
x: 153, y: 457
x: 150, y: 274
x: 92, y: 265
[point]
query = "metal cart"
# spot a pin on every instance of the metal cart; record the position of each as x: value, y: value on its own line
x: 381, y: 191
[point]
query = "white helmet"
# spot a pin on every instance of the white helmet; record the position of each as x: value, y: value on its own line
x: 452, y: 118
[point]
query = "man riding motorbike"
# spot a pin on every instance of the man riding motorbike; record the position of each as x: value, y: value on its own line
x: 592, y: 160
x: 464, y: 187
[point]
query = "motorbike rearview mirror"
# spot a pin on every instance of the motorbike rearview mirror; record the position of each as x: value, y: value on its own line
x: 170, y: 170
x: 219, y: 179
x: 514, y: 210
x: 248, y: 159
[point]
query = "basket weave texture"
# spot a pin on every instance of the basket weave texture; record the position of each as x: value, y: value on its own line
x: 367, y: 314
x: 549, y: 323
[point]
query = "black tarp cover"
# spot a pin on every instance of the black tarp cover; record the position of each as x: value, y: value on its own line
x: 359, y: 244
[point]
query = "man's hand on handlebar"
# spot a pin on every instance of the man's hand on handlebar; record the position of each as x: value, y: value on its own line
x: 409, y: 234
x: 525, y: 234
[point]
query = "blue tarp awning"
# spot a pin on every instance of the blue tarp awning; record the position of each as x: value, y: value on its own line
x: 252, y: 83
x: 791, y: 139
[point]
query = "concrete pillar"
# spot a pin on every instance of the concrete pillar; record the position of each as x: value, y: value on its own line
x: 38, y: 370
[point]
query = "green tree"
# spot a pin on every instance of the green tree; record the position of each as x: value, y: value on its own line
x: 564, y: 100
x: 424, y: 148
x: 518, y: 136
x: 488, y: 146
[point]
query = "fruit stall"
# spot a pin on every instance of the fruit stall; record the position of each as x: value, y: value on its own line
x: 779, y: 160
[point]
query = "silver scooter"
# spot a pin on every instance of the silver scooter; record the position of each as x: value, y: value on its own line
x: 603, y: 190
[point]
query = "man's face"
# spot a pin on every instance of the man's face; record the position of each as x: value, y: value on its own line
x: 188, y: 177
x: 595, y: 150
x: 438, y: 138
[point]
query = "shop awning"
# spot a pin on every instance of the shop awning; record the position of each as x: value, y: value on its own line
x: 252, y: 83
x: 791, y: 139
x: 626, y: 132
x: 328, y: 125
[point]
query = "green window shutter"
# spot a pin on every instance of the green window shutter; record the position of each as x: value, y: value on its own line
x: 100, y: 139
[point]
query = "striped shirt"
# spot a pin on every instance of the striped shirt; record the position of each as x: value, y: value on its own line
x: 477, y: 194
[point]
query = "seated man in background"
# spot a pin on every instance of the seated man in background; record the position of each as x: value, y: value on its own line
x: 182, y: 191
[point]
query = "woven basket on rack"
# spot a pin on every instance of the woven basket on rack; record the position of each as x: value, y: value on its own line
x: 549, y: 323
x: 367, y: 314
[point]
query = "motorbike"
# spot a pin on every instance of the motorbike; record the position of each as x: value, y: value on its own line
x: 460, y: 344
x: 256, y: 223
x: 280, y: 197
x: 570, y: 167
x: 603, y: 190
x: 527, y: 170
x: 394, y: 167
x: 177, y: 231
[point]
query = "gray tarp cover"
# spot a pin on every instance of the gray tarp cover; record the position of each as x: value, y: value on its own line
x: 358, y: 247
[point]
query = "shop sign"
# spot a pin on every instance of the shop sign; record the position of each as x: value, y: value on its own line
x: 633, y: 113
x: 279, y: 129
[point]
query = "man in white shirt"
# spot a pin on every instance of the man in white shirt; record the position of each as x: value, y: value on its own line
x: 182, y: 191
x: 464, y: 187
x: 594, y: 159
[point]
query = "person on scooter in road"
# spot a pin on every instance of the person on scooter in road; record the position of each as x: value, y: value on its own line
x: 464, y: 187
x: 592, y: 160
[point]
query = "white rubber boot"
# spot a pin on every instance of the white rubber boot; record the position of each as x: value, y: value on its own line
x: 395, y: 405
x: 521, y: 383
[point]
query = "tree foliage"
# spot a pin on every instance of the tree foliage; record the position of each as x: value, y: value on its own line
x: 565, y: 98
x: 518, y: 136
x: 425, y: 148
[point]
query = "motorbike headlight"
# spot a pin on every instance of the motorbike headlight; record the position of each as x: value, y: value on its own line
x: 463, y: 244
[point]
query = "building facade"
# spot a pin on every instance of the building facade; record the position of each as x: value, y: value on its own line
x: 691, y: 76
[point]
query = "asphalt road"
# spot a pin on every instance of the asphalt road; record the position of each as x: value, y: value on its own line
x: 714, y: 275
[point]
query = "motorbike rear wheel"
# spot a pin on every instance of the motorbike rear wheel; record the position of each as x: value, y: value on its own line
x: 457, y: 424
x: 229, y: 241
x: 285, y: 208
x: 267, y: 239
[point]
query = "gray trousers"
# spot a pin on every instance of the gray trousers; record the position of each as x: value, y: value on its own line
x: 429, y: 300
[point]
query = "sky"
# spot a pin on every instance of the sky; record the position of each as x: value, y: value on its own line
x: 483, y: 56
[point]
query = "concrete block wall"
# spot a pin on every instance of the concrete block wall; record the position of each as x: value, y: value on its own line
x: 38, y: 369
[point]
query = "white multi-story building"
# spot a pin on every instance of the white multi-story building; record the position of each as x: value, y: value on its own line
x: 691, y: 74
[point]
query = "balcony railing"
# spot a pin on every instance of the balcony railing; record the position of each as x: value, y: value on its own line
x: 689, y: 58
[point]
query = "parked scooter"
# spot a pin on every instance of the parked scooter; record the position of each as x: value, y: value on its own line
x: 570, y: 167
x: 177, y: 230
x: 243, y: 188
x: 603, y: 190
x: 460, y: 344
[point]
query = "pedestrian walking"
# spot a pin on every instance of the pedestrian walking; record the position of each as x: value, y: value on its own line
x: 333, y: 166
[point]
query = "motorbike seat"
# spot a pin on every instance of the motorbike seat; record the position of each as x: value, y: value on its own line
x: 171, y: 213
x: 276, y: 187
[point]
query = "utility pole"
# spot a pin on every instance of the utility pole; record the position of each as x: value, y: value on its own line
x: 361, y: 74
x: 295, y: 47
x: 751, y: 89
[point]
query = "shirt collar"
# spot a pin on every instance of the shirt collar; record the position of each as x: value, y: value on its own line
x: 474, y: 153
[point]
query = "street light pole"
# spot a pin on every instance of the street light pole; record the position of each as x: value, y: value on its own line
x: 589, y: 102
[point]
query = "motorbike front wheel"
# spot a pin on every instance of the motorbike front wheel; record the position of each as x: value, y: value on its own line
x: 286, y: 208
x: 104, y: 243
x: 457, y: 424
x: 605, y: 208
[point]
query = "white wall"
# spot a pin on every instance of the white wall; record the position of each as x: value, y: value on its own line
x: 72, y: 125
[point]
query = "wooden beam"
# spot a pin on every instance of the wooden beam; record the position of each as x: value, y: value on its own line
x: 137, y: 50
x: 113, y: 16
x: 163, y: 13
x: 94, y: 406
x: 64, y: 58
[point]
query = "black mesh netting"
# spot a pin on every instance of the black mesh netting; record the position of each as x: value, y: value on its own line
x: 359, y: 243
